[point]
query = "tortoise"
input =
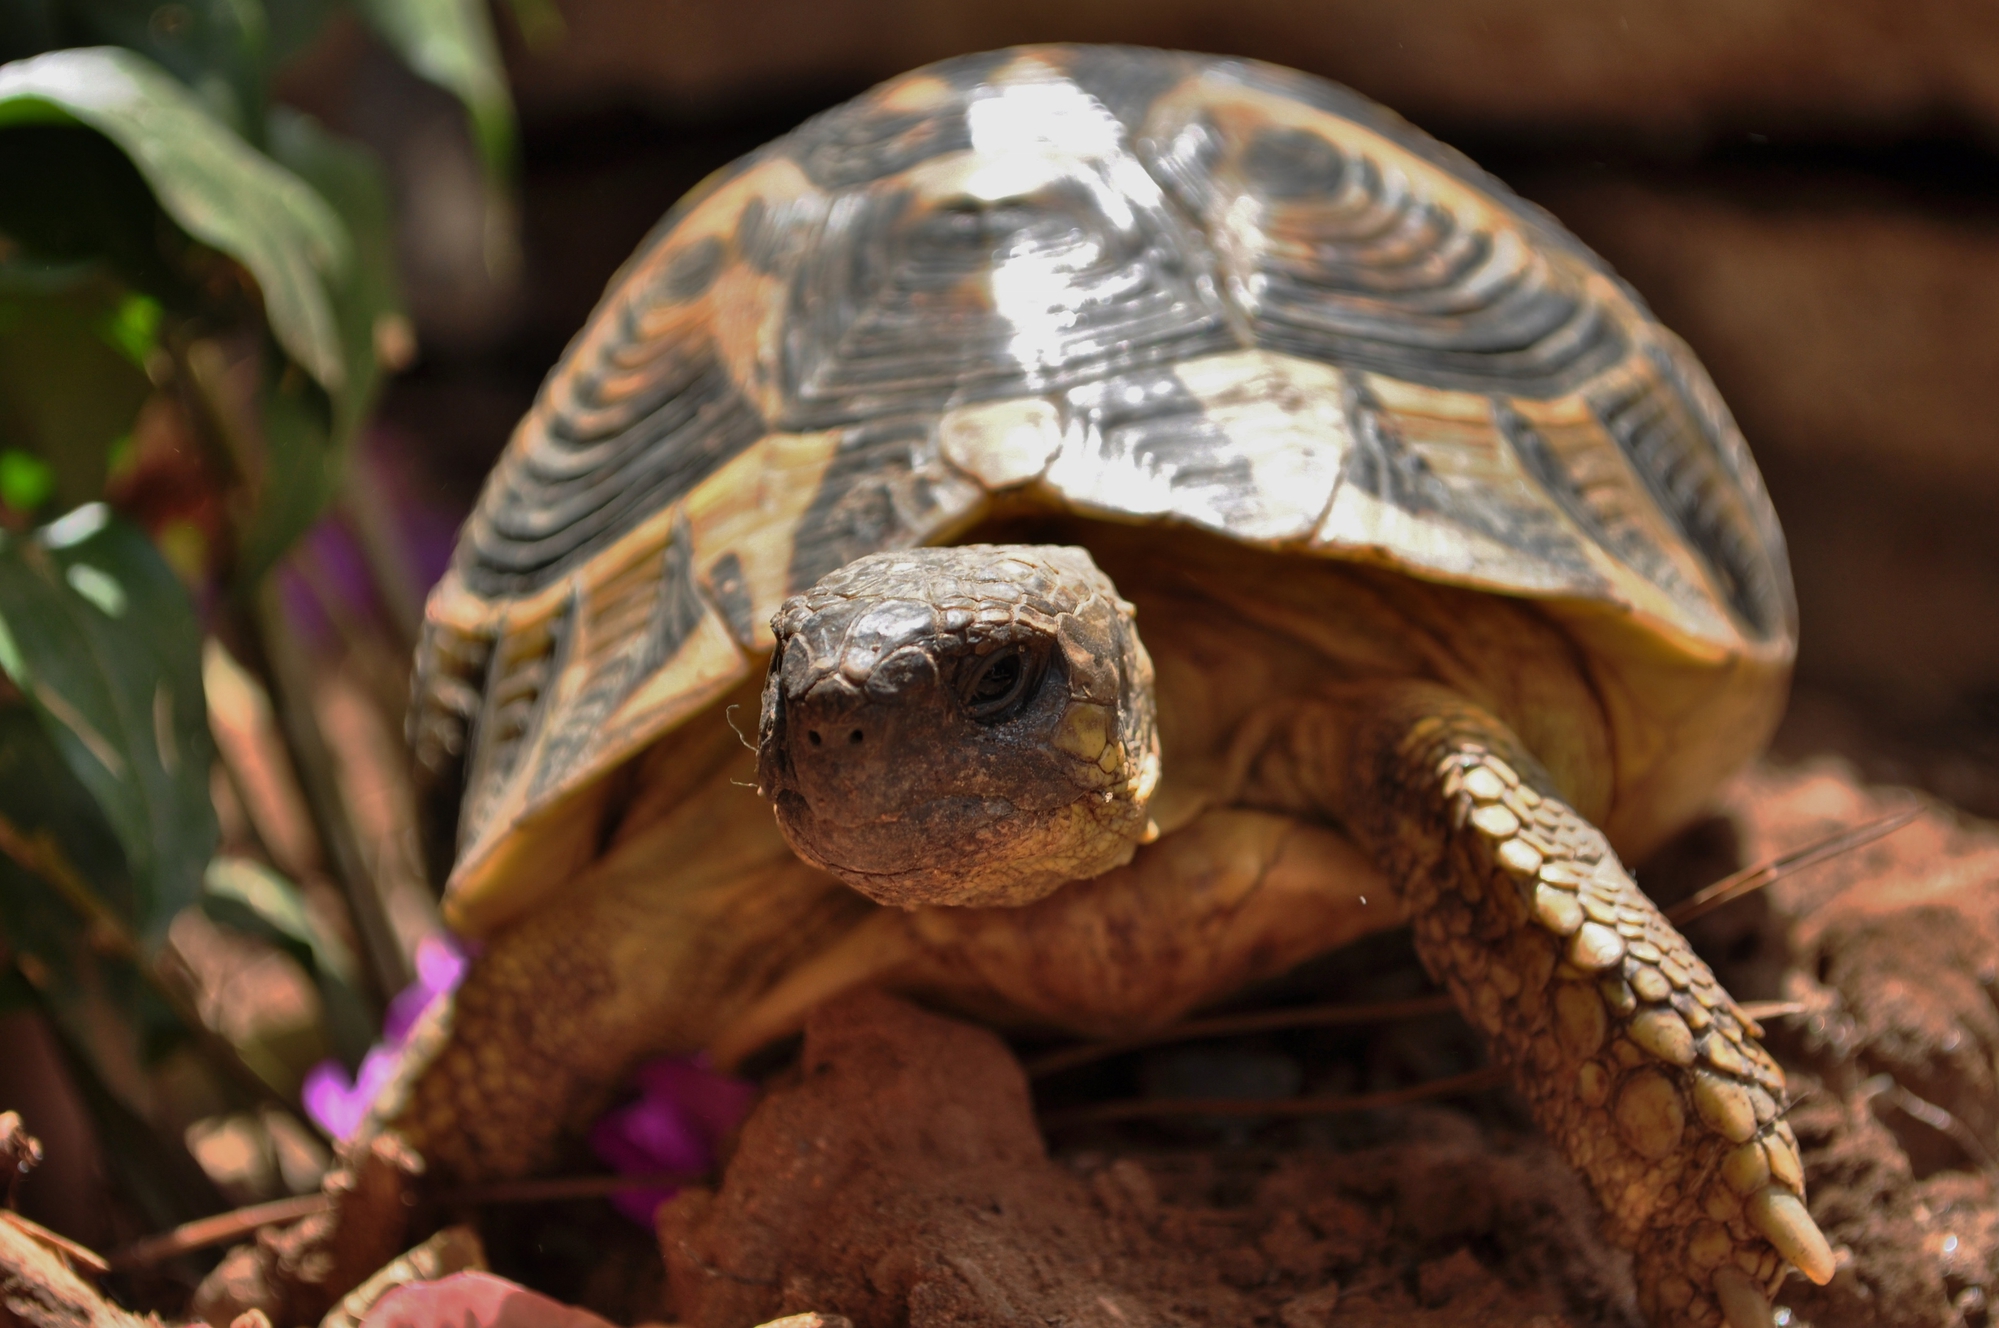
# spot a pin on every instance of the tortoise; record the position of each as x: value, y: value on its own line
x: 1169, y: 518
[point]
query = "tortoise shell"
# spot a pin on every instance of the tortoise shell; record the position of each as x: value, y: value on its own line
x: 1136, y: 285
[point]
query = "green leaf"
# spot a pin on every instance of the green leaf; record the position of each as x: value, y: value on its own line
x: 451, y: 43
x: 302, y: 465
x: 305, y: 451
x: 134, y: 327
x: 26, y: 481
x: 349, y: 177
x: 210, y: 181
x: 246, y: 895
x: 96, y: 994
x: 66, y: 392
x: 540, y: 23
x: 97, y: 632
x: 92, y: 210
x: 218, y: 48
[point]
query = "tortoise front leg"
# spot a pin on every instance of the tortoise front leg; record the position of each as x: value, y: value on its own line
x: 1634, y: 1060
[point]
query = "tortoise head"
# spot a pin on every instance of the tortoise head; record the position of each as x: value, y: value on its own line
x: 965, y: 725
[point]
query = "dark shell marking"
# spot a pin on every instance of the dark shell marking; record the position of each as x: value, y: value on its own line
x: 1156, y: 286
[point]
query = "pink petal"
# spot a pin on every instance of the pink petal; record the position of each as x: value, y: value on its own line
x: 474, y: 1300
x: 716, y: 1103
x: 648, y: 1136
x: 440, y: 963
x: 329, y: 1098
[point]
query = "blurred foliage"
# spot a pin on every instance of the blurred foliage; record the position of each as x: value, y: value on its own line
x: 198, y: 302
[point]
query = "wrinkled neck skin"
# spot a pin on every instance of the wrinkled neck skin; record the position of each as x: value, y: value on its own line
x: 979, y: 724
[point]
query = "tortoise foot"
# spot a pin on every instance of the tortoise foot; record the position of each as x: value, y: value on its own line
x: 1634, y: 1060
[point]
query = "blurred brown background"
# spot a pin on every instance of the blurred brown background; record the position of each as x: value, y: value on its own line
x: 1808, y: 193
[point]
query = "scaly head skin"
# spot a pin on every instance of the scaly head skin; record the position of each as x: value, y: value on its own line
x: 964, y: 725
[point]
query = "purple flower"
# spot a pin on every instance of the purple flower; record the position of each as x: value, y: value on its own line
x: 684, y: 1111
x: 440, y: 967
x: 337, y: 1104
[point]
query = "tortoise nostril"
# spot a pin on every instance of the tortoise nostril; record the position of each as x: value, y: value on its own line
x: 812, y: 735
x: 855, y: 736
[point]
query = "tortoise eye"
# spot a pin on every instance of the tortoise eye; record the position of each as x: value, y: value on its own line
x: 999, y: 682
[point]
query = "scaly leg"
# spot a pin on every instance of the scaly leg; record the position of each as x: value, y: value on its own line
x: 654, y: 948
x: 648, y: 952
x: 1634, y: 1060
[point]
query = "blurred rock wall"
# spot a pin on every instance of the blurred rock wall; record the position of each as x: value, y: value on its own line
x: 1662, y: 72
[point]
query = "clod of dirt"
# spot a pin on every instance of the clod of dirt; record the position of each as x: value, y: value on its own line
x: 900, y: 1179
x: 295, y: 1274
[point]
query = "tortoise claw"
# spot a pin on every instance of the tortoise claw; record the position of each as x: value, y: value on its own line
x: 1743, y: 1304
x: 1781, y: 1217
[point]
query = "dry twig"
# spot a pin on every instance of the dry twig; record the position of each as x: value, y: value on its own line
x: 238, y: 1223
